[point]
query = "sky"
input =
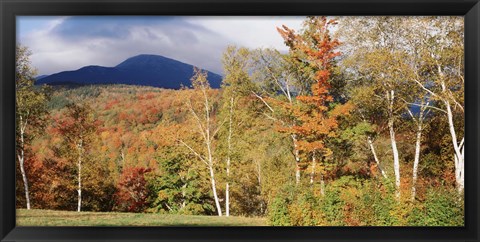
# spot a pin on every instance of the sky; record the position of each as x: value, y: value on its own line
x: 60, y: 43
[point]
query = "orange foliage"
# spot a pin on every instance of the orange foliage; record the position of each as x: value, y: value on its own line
x: 317, y: 48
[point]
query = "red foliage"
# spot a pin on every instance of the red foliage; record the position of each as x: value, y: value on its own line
x: 112, y: 103
x: 132, y: 189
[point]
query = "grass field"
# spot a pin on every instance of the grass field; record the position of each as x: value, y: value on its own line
x: 66, y: 218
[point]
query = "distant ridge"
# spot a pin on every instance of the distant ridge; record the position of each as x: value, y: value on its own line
x: 143, y: 70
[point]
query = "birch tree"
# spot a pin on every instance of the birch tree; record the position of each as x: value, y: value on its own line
x: 375, y: 47
x: 236, y: 87
x: 77, y: 128
x: 30, y: 111
x: 203, y: 114
x: 442, y: 77
x: 278, y: 80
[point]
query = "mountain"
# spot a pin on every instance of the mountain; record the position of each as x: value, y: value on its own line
x: 40, y: 77
x: 143, y: 70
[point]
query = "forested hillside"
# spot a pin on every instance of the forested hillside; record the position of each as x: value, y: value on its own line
x: 361, y: 126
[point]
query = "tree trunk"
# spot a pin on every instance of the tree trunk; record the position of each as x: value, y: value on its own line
x: 458, y: 149
x: 79, y: 188
x: 416, y: 161
x: 214, y: 189
x: 21, y: 160
x: 312, y: 174
x: 372, y: 148
x: 296, y: 153
x: 322, y: 185
x: 417, y: 152
x: 229, y: 141
x: 184, y: 202
x: 396, y: 160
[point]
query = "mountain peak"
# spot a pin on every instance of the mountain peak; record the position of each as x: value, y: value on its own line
x: 147, y: 59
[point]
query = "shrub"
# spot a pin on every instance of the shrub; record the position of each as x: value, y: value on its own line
x: 442, y: 207
x: 132, y: 191
x: 278, y: 212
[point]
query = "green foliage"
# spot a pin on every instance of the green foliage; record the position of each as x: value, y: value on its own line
x: 176, y: 190
x: 278, y: 212
x: 442, y: 207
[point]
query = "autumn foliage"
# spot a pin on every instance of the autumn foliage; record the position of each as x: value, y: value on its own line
x: 316, y: 120
x: 132, y: 189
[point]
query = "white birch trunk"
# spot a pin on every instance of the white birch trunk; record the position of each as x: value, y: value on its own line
x: 229, y: 141
x: 377, y: 161
x: 312, y: 174
x: 458, y: 149
x: 79, y: 188
x: 184, y: 187
x: 214, y: 189
x: 322, y: 185
x: 396, y: 161
x: 418, y: 143
x: 212, y: 173
x: 296, y: 153
x: 208, y: 141
x: 416, y: 161
x: 21, y: 160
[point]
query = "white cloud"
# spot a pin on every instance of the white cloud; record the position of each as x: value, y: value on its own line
x: 252, y: 32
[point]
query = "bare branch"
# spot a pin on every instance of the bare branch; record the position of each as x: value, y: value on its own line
x: 428, y: 106
x: 199, y: 122
x: 263, y: 100
x: 194, y: 152
x: 218, y: 128
x: 424, y: 88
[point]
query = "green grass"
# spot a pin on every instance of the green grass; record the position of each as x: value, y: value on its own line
x: 36, y: 217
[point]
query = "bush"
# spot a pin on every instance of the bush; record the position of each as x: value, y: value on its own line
x: 332, y: 207
x: 349, y: 201
x: 278, y: 212
x: 442, y: 207
x: 132, y: 190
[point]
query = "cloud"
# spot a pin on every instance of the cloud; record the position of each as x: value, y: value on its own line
x: 69, y: 43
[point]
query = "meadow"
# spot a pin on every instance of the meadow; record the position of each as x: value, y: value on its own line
x: 39, y: 217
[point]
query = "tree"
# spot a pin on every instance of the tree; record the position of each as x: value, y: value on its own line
x: 279, y: 81
x: 30, y: 110
x: 203, y: 114
x: 315, y: 47
x: 236, y: 85
x: 177, y: 187
x: 77, y: 128
x: 441, y: 76
x: 369, y: 120
x: 419, y: 63
x: 376, y: 59
x: 132, y: 190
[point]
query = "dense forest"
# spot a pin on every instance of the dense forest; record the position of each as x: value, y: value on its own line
x: 361, y: 123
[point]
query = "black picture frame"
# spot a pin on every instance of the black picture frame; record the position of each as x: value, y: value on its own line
x: 470, y: 9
